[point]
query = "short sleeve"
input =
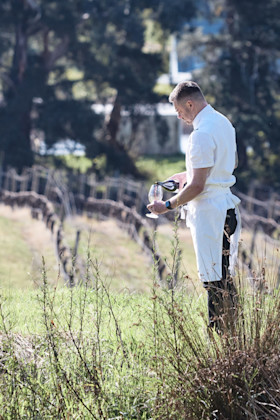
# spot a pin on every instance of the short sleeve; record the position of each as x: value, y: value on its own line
x: 202, y: 150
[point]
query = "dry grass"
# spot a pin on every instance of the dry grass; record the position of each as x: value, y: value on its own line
x: 122, y: 260
x: 263, y: 256
x: 24, y: 242
x: 188, y: 268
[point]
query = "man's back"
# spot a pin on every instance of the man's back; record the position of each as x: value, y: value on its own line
x: 212, y: 145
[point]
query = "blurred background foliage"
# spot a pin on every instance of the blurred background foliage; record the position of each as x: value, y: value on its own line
x: 59, y: 59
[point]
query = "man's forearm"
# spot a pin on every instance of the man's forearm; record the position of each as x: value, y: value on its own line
x: 188, y: 193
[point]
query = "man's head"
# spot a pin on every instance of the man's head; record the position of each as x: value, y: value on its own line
x: 188, y: 100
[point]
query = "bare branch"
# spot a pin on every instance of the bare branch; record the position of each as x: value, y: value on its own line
x: 35, y: 24
x: 34, y: 28
x: 59, y: 52
x: 34, y: 6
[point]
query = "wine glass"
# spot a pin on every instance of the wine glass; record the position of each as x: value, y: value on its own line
x: 155, y: 194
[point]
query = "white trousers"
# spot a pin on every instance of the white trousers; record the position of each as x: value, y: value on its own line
x: 206, y: 219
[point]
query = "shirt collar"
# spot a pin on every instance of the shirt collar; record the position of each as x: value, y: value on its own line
x: 205, y: 111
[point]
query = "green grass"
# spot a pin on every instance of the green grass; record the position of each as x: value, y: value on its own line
x: 81, y: 338
x: 93, y: 353
x: 159, y: 168
x: 75, y: 163
x: 153, y: 168
x: 90, y: 353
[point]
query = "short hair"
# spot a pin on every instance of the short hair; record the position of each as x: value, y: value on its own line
x: 186, y: 90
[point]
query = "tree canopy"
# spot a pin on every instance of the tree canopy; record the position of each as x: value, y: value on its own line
x: 242, y: 76
x: 58, y: 58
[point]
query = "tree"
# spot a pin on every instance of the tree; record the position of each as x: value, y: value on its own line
x: 53, y: 50
x: 242, y: 75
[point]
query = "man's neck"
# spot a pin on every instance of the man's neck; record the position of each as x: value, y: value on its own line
x: 200, y: 107
x: 198, y: 116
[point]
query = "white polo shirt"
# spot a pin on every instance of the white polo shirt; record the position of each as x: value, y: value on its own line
x: 212, y: 144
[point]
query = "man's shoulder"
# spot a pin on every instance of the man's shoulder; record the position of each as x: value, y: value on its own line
x: 222, y: 118
x: 215, y: 121
x: 202, y: 135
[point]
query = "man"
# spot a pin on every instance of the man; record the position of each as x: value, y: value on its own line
x: 212, y: 208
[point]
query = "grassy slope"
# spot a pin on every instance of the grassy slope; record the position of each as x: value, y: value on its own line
x: 122, y: 261
x: 15, y: 256
x: 24, y: 242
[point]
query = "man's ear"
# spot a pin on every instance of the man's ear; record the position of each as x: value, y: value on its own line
x: 189, y: 104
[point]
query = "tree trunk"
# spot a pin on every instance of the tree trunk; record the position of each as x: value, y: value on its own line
x: 16, y: 116
x: 118, y: 157
x: 27, y: 80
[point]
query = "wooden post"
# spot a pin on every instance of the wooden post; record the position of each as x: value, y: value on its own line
x: 271, y: 205
x: 141, y: 192
x: 121, y: 189
x: 251, y: 194
x: 48, y: 183
x: 75, y: 251
x: 24, y: 182
x: 34, y: 183
x: 6, y: 182
x: 82, y: 181
x: 14, y: 181
x: 252, y: 247
x: 92, y: 184
x: 107, y: 187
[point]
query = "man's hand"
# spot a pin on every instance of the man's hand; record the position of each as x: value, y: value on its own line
x: 188, y: 193
x: 181, y: 178
x: 157, y: 207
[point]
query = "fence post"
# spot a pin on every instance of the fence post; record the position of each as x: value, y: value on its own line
x: 6, y: 182
x: 121, y: 189
x: 251, y: 194
x: 1, y: 176
x: 48, y: 183
x: 14, y: 180
x: 82, y: 181
x: 24, y: 181
x: 271, y: 205
x: 92, y: 183
x: 34, y: 182
x: 140, y: 198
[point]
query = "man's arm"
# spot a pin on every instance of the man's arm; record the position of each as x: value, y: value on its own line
x: 188, y: 193
x: 181, y: 177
